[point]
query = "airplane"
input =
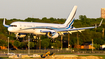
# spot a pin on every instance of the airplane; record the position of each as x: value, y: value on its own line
x: 50, y: 29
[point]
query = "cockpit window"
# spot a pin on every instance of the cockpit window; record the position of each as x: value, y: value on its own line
x: 13, y: 25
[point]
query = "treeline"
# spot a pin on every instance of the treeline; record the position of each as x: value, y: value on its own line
x: 96, y: 34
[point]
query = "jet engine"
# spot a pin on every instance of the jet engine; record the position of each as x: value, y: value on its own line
x: 20, y: 35
x: 52, y: 34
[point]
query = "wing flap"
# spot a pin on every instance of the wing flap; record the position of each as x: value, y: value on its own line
x: 74, y: 29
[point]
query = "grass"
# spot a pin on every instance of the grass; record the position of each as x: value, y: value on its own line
x: 102, y: 56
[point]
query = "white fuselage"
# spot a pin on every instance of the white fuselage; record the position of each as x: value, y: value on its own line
x: 23, y: 27
x: 52, y: 30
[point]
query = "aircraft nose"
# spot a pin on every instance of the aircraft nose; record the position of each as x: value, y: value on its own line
x: 10, y: 29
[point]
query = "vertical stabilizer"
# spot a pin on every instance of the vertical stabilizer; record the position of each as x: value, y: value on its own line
x: 70, y: 19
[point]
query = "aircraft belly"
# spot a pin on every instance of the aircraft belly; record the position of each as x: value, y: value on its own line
x: 37, y: 32
x: 34, y: 31
x: 26, y: 31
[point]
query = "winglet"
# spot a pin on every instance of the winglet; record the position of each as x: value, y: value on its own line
x: 100, y: 23
x: 5, y: 24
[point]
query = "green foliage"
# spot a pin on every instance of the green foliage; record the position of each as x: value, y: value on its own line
x: 73, y: 41
x: 57, y: 44
x: 3, y: 43
x: 32, y: 19
x: 99, y: 41
x: 23, y: 45
x: 32, y: 44
x: 84, y: 36
x: 97, y: 46
x: 17, y: 43
x: 45, y: 43
x: 2, y: 36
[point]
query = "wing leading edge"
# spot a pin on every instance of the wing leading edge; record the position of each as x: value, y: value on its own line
x: 80, y: 28
x: 75, y: 29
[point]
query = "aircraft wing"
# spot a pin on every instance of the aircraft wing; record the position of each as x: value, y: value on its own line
x: 74, y: 29
x: 68, y: 30
x: 64, y: 30
x: 80, y: 28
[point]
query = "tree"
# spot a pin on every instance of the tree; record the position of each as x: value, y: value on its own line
x: 73, y: 41
x: 98, y: 41
x: 83, y: 21
x: 23, y: 45
x: 17, y: 43
x: 97, y: 46
x: 82, y: 17
x: 3, y: 43
x: 52, y: 19
x: 32, y: 19
x: 57, y: 44
x: 3, y: 36
x: 44, y: 18
x: 31, y: 44
x: 45, y: 43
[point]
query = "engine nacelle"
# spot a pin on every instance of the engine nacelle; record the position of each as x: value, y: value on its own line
x: 52, y: 34
x: 20, y: 35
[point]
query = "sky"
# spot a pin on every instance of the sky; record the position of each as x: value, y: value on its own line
x: 22, y: 9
